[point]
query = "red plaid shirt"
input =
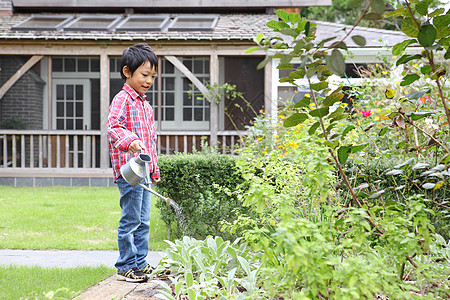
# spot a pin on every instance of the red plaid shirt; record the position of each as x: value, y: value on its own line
x: 130, y: 118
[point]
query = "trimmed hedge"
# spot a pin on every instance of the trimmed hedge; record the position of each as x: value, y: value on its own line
x: 202, y: 184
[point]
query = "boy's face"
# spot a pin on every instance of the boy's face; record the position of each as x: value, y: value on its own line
x: 142, y: 79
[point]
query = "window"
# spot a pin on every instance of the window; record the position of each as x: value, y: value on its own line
x: 93, y: 22
x: 143, y: 23
x: 44, y: 22
x: 193, y: 23
x: 182, y: 107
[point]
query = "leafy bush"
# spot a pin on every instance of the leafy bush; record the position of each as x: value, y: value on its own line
x: 208, y: 269
x: 203, y: 186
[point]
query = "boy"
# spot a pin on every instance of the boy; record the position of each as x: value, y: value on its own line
x: 131, y: 128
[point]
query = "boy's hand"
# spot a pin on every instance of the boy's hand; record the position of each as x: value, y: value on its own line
x: 156, y: 180
x: 136, y: 146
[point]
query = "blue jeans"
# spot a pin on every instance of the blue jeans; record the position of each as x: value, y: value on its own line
x: 134, y: 226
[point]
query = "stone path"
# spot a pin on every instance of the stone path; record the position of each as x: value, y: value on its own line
x: 108, y: 289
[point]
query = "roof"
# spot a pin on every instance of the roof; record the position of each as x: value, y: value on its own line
x: 198, y: 4
x: 229, y: 27
x: 242, y: 27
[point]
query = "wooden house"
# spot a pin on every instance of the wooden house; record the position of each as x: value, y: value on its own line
x: 59, y: 69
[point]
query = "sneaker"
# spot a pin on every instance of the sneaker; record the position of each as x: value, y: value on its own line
x: 147, y: 270
x: 132, y: 275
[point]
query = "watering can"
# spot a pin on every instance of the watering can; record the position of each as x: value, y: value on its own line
x: 136, y: 170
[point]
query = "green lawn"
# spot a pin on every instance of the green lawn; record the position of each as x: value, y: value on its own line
x: 48, y: 283
x: 84, y: 218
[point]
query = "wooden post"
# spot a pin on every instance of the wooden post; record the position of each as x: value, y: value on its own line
x: 104, y: 108
x: 214, y: 107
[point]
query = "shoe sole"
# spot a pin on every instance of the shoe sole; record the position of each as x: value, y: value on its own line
x: 127, y: 279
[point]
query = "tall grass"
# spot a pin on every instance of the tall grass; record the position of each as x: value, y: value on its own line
x: 83, y: 218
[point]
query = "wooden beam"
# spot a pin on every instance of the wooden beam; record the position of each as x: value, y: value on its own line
x: 28, y: 65
x: 87, y: 48
x: 214, y: 107
x: 180, y: 66
x: 104, y: 107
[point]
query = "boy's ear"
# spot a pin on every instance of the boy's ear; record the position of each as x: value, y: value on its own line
x: 126, y: 72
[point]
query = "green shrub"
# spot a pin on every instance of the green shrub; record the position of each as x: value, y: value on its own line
x: 395, y: 180
x: 203, y: 185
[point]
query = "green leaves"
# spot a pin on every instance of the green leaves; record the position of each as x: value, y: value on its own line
x: 359, y: 40
x: 295, y: 119
x: 344, y: 151
x: 409, y: 27
x: 427, y: 35
x: 408, y: 79
x: 319, y: 112
x: 336, y: 62
x: 400, y: 47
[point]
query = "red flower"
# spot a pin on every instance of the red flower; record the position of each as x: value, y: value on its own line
x: 366, y: 113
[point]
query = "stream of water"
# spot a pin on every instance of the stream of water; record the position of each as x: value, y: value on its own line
x: 181, y: 220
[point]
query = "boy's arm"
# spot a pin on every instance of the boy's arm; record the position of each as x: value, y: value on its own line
x: 116, y: 125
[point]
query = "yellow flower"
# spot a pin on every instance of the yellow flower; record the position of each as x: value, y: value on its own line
x: 341, y: 124
x: 383, y: 72
x: 264, y: 152
x: 378, y: 110
x: 394, y: 57
x: 260, y: 138
x: 415, y: 65
x: 272, y: 223
x: 307, y: 95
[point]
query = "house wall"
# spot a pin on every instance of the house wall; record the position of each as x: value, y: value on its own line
x: 5, y: 5
x: 25, y: 97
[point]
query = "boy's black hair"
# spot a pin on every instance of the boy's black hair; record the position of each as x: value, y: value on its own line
x: 135, y: 56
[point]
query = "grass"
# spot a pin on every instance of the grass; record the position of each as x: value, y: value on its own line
x: 19, y: 282
x: 82, y: 218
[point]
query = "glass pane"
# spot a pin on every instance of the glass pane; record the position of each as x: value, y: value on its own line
x: 59, y: 92
x: 112, y: 65
x: 69, y: 92
x: 198, y: 114
x: 43, y: 23
x: 79, y: 109
x: 91, y: 23
x: 95, y: 65
x: 79, y: 92
x: 60, y: 109
x: 60, y: 124
x: 69, y: 109
x: 169, y: 84
x: 57, y: 64
x: 83, y: 65
x: 198, y: 100
x: 187, y: 114
x: 188, y: 64
x: 69, y: 64
x: 168, y: 67
x: 170, y: 99
x: 186, y: 84
x: 198, y: 66
x: 69, y: 124
x: 170, y: 114
x: 187, y: 100
x: 207, y: 114
x: 79, y: 126
x: 206, y: 66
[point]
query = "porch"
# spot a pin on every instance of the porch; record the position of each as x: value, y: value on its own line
x: 76, y: 157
